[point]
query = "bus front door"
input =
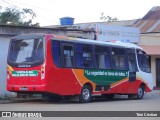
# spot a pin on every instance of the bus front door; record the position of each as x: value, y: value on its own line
x: 132, y: 69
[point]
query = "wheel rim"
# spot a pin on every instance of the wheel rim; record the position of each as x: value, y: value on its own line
x: 86, y: 94
x: 140, y: 92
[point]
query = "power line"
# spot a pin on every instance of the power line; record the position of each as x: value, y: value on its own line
x: 30, y: 5
x: 11, y: 4
x: 49, y: 10
x: 8, y: 3
x: 22, y: 8
x: 2, y: 3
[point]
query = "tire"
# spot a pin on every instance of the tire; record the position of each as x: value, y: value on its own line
x: 140, y: 93
x: 85, y: 96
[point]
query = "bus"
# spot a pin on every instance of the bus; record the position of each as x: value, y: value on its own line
x: 58, y: 66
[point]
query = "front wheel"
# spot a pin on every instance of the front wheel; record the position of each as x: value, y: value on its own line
x: 85, y: 95
x: 140, y: 93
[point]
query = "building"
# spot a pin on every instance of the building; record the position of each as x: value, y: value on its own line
x: 6, y: 32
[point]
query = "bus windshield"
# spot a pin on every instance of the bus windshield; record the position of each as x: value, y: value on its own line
x: 26, y: 51
x: 143, y: 61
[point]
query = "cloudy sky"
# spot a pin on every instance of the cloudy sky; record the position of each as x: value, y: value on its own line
x: 49, y: 11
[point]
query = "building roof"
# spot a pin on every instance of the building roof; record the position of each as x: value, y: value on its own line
x: 151, y: 49
x: 8, y: 30
x: 149, y: 23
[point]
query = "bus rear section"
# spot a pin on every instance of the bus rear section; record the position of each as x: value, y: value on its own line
x: 31, y: 68
x: 25, y: 69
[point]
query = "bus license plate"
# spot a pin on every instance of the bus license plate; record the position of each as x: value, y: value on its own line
x: 23, y: 88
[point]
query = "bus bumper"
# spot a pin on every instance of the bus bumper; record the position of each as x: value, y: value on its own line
x: 26, y: 88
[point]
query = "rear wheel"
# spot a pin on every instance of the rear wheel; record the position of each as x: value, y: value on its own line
x: 85, y: 96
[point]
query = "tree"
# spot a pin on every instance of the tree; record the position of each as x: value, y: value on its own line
x: 108, y: 18
x: 13, y: 16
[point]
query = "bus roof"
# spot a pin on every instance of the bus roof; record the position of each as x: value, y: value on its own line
x: 79, y: 40
x: 95, y: 42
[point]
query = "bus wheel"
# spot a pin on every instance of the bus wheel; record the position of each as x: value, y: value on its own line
x: 85, y: 95
x: 140, y: 93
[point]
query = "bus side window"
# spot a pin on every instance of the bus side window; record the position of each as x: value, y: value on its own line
x: 122, y: 59
x: 56, y: 52
x: 84, y: 56
x: 79, y: 55
x: 39, y: 51
x: 118, y: 58
x: 68, y: 56
x: 102, y: 57
x: 132, y: 60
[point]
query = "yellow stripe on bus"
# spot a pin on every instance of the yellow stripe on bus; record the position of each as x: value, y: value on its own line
x: 10, y: 69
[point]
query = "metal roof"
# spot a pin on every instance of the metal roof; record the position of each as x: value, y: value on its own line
x: 151, y: 49
x: 149, y: 23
